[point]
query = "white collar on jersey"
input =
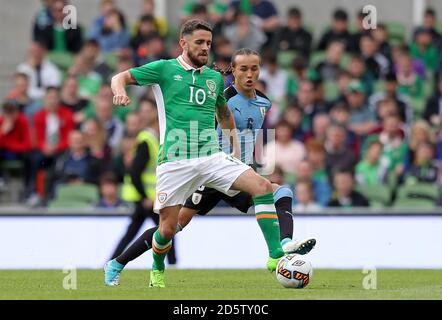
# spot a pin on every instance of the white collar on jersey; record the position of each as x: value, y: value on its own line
x: 187, y: 66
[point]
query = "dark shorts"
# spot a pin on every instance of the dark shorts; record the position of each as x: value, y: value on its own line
x: 205, y: 199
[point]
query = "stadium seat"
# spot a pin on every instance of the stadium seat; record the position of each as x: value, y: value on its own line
x: 418, y: 106
x: 86, y: 193
x: 379, y: 196
x: 285, y: 58
x: 427, y: 191
x: 317, y: 57
x: 63, y: 60
x: 68, y: 204
x: 413, y: 203
x: 111, y: 60
x: 397, y: 31
x: 331, y: 90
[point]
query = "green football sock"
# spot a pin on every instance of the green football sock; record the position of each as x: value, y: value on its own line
x: 160, y: 247
x: 268, y: 222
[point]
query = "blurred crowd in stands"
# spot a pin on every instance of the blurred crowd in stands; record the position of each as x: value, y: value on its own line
x: 357, y: 113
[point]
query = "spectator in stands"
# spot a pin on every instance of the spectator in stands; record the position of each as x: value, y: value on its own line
x: 371, y: 171
x: 433, y: 110
x: 306, y: 100
x: 147, y: 113
x: 71, y: 100
x: 113, y: 125
x: 358, y: 70
x: 321, y: 188
x: 284, y: 151
x: 55, y: 35
x: 151, y: 49
x: 321, y: 123
x: 109, y: 198
x: 362, y: 119
x: 305, y: 196
x: 395, y: 147
x: 263, y: 13
x: 423, y: 48
x: 133, y: 124
x: 77, y: 163
x: 424, y: 167
x: 276, y: 79
x: 91, y: 52
x: 344, y: 196
x: 390, y: 92
x: 298, y: 72
x: 89, y: 81
x: 293, y: 115
x: 410, y: 82
x: 52, y: 126
x: 420, y: 132
x: 96, y: 140
x: 377, y: 64
x: 430, y: 21
x: 106, y: 6
x: 293, y: 36
x: 40, y: 71
x: 145, y: 28
x: 113, y: 35
x: 148, y: 9
x: 122, y: 162
x: 329, y: 69
x: 15, y: 137
x: 316, y: 155
x: 19, y: 93
x: 243, y: 33
x: 385, y: 108
x: 359, y: 32
x: 380, y: 36
x: 338, y: 31
x: 338, y: 155
x: 43, y: 18
x: 343, y: 79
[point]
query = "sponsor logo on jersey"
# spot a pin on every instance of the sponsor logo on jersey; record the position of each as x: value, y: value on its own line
x: 162, y: 196
x: 177, y: 77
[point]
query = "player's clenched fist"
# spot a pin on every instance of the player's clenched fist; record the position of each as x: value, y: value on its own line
x: 121, y: 100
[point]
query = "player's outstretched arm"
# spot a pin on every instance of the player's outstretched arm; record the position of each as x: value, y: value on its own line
x: 118, y: 85
x: 227, y: 122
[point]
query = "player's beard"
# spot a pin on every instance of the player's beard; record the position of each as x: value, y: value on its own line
x: 197, y: 60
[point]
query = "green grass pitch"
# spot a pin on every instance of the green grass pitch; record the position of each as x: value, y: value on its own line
x: 221, y: 284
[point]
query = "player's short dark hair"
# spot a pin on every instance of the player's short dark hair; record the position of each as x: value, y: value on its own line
x: 190, y: 26
x: 244, y: 52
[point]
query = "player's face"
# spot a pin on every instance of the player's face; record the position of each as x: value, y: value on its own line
x: 197, y: 47
x: 246, y: 71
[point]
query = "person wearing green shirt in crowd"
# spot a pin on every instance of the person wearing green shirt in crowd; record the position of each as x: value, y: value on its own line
x: 369, y: 171
x: 423, y: 49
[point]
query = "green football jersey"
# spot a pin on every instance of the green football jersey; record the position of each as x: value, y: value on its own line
x: 187, y: 99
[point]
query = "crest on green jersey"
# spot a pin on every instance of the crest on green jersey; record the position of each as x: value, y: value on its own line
x: 211, y: 85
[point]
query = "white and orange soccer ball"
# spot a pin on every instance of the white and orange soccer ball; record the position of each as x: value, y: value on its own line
x: 294, y: 271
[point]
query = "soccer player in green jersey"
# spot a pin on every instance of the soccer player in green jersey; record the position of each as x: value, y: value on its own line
x: 189, y: 95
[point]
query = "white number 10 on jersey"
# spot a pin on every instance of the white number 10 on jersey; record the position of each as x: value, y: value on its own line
x: 200, y: 95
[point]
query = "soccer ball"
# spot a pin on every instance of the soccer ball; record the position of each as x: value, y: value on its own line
x: 294, y: 271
